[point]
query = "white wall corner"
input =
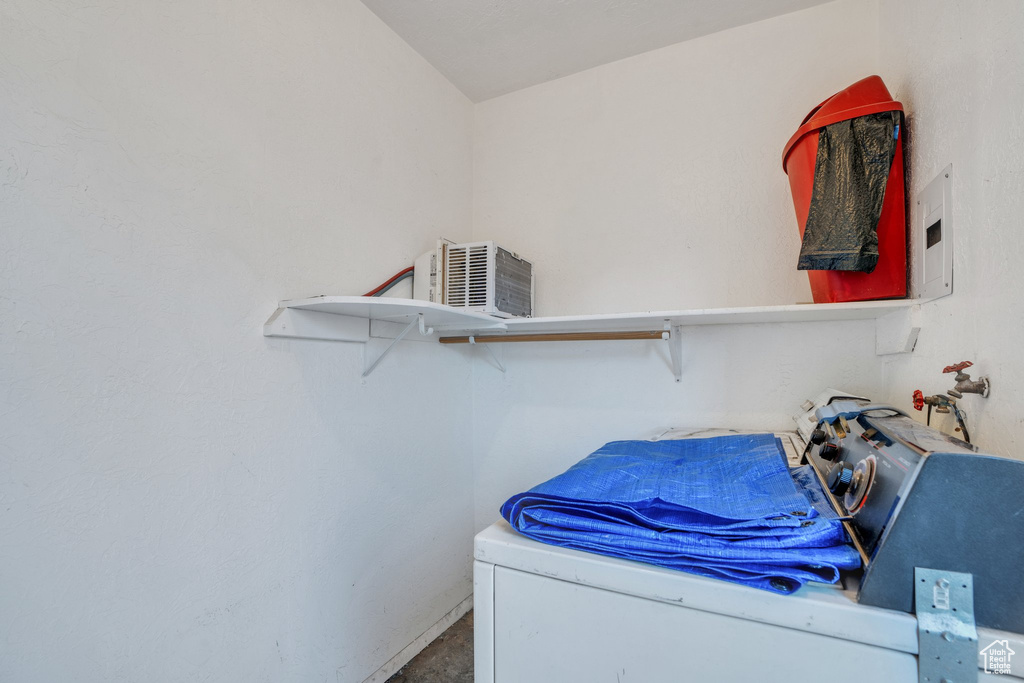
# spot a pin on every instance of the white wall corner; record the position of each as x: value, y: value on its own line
x: 415, y: 647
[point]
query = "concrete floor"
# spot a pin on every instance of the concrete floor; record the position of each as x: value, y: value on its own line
x: 449, y: 659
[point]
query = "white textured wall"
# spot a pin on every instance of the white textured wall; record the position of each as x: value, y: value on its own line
x: 181, y: 498
x: 655, y: 183
x: 957, y: 67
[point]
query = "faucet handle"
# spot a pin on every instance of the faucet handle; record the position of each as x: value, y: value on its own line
x: 918, y: 399
x: 957, y: 368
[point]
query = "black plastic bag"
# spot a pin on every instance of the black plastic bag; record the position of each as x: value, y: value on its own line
x: 850, y: 175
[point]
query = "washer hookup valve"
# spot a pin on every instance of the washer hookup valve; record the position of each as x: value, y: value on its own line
x: 942, y: 404
x: 964, y: 383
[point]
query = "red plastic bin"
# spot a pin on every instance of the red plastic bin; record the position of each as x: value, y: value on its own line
x: 889, y: 278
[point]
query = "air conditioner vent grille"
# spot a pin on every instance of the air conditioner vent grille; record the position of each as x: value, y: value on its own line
x: 513, y: 289
x: 467, y: 275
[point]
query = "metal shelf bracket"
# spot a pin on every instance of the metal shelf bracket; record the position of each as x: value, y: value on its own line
x: 494, y: 357
x: 673, y: 334
x: 424, y: 330
x: 897, y: 332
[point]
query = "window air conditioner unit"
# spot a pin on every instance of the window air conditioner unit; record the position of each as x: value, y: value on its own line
x: 476, y: 276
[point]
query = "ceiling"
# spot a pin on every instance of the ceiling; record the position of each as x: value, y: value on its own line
x: 491, y: 47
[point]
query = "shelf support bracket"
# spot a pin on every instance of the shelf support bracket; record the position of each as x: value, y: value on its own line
x: 897, y: 332
x: 494, y: 357
x: 295, y: 323
x: 673, y: 334
x: 400, y: 337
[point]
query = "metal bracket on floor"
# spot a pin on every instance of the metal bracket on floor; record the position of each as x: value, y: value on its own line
x: 424, y: 330
x: 946, y: 635
x: 494, y: 357
x: 673, y: 334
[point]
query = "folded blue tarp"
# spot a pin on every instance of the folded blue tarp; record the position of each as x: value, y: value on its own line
x: 727, y: 507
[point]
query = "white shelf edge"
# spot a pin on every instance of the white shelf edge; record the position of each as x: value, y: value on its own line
x: 713, y: 316
x: 396, y: 310
x: 448, y: 319
x: 348, y: 318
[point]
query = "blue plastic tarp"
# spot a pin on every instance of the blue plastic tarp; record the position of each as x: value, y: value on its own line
x: 727, y: 507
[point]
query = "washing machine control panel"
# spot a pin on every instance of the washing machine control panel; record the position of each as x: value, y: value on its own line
x: 865, y: 463
x: 912, y: 496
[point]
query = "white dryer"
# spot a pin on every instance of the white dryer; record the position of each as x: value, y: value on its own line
x: 544, y: 613
x: 548, y: 614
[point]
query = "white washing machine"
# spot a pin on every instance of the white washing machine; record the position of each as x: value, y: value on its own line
x: 545, y: 613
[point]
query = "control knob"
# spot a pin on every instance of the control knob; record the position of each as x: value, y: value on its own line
x: 839, y: 478
x: 829, y: 451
